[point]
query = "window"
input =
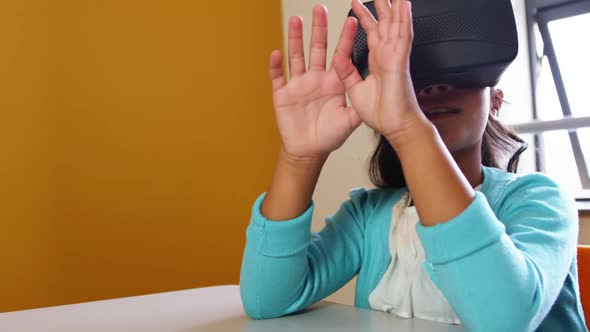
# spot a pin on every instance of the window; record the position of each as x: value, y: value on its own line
x: 559, y: 43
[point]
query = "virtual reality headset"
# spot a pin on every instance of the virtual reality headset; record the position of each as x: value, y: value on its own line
x: 465, y: 43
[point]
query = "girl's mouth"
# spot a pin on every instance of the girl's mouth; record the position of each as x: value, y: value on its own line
x: 437, y: 114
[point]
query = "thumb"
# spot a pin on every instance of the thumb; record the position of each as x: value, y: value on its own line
x: 346, y: 71
x: 342, y: 63
x: 353, y: 117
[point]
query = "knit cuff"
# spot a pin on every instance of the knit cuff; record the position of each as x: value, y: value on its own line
x: 279, y: 238
x: 472, y: 230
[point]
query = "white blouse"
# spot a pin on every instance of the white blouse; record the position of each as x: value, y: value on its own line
x: 406, y: 289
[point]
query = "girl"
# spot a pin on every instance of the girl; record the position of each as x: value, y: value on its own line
x: 446, y: 236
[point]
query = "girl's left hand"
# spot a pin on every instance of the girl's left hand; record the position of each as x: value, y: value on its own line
x: 385, y: 100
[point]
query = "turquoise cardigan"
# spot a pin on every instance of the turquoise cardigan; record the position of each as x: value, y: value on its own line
x: 506, y: 263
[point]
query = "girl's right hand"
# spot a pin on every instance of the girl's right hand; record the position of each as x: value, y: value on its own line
x: 311, y: 111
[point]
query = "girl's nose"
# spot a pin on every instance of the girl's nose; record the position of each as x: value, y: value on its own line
x: 435, y: 90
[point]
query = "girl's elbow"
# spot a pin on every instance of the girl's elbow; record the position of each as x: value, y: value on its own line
x: 250, y: 308
x: 254, y: 306
x: 519, y: 320
x: 256, y: 312
x: 250, y: 303
x: 517, y: 310
x: 515, y: 316
x: 252, y: 311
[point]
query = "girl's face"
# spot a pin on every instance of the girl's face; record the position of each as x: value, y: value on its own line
x: 459, y: 115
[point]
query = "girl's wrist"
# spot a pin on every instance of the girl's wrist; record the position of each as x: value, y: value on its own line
x: 301, y: 163
x: 412, y: 137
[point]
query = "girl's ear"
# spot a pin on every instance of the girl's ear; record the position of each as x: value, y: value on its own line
x: 497, y: 100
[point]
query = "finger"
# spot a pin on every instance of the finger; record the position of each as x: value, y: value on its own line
x: 296, y: 55
x: 366, y: 19
x: 277, y: 75
x: 347, y: 38
x: 345, y: 70
x: 406, y: 27
x: 383, y: 9
x: 319, y: 39
x: 384, y: 16
x: 393, y: 26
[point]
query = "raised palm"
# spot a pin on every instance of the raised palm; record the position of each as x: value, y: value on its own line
x: 385, y: 100
x: 310, y: 108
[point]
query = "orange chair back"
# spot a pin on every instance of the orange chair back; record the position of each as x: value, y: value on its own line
x: 584, y: 278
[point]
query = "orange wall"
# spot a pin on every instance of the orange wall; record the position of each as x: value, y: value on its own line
x: 135, y: 136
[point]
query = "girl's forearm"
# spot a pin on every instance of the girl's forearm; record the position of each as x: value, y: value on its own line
x: 292, y: 186
x: 439, y: 189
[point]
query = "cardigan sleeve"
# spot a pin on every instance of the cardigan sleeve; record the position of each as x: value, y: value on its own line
x: 504, y: 272
x: 286, y: 267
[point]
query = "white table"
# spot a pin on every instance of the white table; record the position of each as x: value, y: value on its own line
x: 203, y: 309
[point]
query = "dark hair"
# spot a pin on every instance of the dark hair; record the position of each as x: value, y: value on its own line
x: 499, y: 143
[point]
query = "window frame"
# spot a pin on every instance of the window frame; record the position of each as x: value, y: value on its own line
x: 539, y: 14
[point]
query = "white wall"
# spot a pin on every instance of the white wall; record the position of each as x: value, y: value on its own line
x: 347, y: 167
x: 584, y: 237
